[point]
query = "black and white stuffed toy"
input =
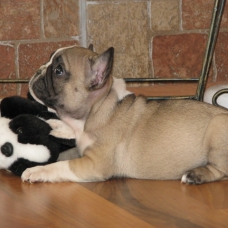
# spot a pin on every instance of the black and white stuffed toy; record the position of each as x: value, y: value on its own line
x: 30, y: 135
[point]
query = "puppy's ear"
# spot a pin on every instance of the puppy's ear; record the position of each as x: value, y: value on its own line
x: 91, y: 47
x: 101, y: 66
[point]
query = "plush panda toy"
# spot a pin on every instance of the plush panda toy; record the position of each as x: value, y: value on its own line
x: 30, y: 135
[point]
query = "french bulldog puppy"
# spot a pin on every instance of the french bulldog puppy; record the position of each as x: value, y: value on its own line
x: 119, y: 134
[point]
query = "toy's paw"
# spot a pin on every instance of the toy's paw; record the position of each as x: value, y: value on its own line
x: 38, y: 174
x: 60, y: 129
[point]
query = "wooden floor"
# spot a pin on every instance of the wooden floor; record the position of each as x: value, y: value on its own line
x: 114, y: 203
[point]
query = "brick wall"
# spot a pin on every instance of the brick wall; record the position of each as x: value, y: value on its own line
x: 152, y: 38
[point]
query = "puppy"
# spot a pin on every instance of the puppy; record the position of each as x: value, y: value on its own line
x: 121, y: 135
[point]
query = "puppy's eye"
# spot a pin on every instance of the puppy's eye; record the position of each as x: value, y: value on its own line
x: 59, y: 70
x: 19, y: 130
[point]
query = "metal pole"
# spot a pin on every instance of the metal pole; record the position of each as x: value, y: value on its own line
x: 212, y: 37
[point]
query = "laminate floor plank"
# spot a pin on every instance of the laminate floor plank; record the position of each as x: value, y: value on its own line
x: 58, y: 205
x: 168, y: 203
x: 114, y: 203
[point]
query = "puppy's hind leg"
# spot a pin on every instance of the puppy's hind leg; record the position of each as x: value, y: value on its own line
x: 216, y: 143
x: 201, y: 175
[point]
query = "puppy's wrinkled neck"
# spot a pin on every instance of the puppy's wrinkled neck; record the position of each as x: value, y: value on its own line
x: 102, y: 111
x: 116, y: 92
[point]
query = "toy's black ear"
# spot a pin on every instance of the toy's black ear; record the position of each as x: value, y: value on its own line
x: 15, y: 105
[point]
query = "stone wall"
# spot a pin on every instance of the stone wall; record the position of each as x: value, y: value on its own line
x: 152, y: 38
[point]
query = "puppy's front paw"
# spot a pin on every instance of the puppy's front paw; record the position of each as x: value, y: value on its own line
x: 55, y: 172
x: 35, y: 174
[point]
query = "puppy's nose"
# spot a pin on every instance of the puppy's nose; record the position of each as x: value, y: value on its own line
x: 7, y: 149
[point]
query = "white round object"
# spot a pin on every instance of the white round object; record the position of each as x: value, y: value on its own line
x: 222, y: 99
